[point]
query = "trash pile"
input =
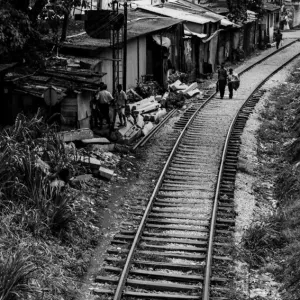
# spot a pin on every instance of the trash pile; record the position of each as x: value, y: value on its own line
x: 93, y: 152
x: 141, y: 118
x: 142, y: 115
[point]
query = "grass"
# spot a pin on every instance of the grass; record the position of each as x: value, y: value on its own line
x: 275, y: 237
x: 47, y: 234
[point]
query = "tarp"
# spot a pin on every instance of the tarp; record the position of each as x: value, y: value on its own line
x: 189, y: 32
x: 225, y: 22
x: 215, y: 34
x: 162, y: 41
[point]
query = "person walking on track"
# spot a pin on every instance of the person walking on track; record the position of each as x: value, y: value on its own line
x: 231, y: 79
x: 278, y: 38
x: 222, y: 80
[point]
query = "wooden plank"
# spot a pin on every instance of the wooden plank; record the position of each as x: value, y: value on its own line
x: 188, y: 228
x: 178, y: 216
x: 176, y: 235
x: 174, y: 241
x: 176, y: 248
x: 160, y: 296
x: 174, y: 255
x: 166, y: 276
x: 178, y: 221
x: 161, y: 286
x: 102, y: 291
x: 162, y: 265
x: 106, y: 279
x: 112, y: 269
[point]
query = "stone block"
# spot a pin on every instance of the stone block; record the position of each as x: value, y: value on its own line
x: 191, y: 87
x: 149, y: 108
x: 132, y: 134
x: 193, y: 93
x: 147, y: 128
x: 76, y: 135
x: 92, y: 162
x: 100, y: 141
x: 106, y: 173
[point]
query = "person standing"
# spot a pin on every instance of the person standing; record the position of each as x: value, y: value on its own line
x: 278, y: 38
x: 104, y: 99
x: 121, y: 99
x: 222, y: 80
x: 231, y: 79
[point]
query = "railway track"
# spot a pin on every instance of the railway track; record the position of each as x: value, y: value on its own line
x: 181, y: 247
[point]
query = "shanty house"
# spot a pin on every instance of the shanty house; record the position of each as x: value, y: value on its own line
x: 65, y: 89
x: 202, y: 29
x: 270, y: 20
x: 151, y: 41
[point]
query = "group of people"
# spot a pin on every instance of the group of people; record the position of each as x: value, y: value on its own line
x: 105, y: 106
x: 227, y: 78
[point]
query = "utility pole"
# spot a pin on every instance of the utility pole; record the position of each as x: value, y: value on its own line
x: 125, y: 47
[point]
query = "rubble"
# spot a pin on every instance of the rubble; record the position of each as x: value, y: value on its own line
x: 106, y: 173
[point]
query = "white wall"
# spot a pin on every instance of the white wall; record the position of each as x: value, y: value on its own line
x: 132, y: 63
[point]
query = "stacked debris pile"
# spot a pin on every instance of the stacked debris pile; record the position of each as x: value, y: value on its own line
x: 141, y: 118
x: 142, y: 115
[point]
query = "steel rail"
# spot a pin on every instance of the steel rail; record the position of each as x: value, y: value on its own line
x: 145, y: 139
x: 208, y: 266
x: 123, y: 276
x: 121, y: 283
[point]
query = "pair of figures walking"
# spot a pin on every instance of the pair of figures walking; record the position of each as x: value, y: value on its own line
x: 227, y: 78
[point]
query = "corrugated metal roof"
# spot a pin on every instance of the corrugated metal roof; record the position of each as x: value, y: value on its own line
x: 193, y: 9
x: 206, y: 11
x: 178, y: 14
x: 139, y: 23
x: 271, y: 6
x: 6, y: 67
x: 226, y: 23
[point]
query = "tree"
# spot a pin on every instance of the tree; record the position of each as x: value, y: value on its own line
x: 237, y: 10
x: 64, y: 8
x: 15, y: 28
x: 256, y: 6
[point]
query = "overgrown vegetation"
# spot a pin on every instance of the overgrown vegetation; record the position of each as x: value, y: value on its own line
x: 23, y: 23
x: 275, y: 238
x: 47, y: 230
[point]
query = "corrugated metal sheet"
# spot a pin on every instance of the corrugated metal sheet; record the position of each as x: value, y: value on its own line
x: 179, y: 14
x: 147, y: 25
x: 139, y: 24
x: 271, y: 7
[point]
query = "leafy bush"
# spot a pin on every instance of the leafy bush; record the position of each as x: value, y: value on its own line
x: 15, y: 272
x: 50, y: 225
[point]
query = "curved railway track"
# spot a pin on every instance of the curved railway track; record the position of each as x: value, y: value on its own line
x: 181, y: 248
